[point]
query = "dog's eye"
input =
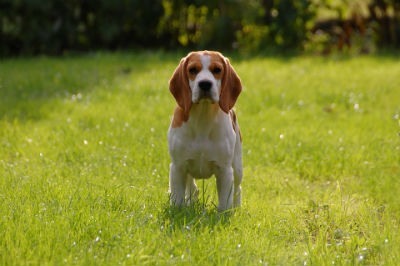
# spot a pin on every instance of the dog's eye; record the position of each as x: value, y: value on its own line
x: 216, y: 70
x: 193, y: 70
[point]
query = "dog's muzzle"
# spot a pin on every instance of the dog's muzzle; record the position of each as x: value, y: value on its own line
x: 205, y: 89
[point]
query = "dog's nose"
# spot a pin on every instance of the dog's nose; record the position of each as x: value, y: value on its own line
x: 205, y: 85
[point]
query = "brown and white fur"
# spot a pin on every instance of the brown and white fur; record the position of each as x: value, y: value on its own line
x: 204, y: 137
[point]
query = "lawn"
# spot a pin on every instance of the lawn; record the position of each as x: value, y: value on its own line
x: 84, y: 164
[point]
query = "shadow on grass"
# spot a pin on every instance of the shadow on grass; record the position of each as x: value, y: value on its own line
x: 192, y: 218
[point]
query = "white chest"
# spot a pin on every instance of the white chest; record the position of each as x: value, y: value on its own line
x: 201, y: 149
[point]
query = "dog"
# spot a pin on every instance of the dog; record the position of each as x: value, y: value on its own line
x: 204, y: 138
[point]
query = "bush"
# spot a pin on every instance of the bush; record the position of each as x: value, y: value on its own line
x: 34, y: 26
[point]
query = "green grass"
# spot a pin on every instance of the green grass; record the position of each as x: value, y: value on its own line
x: 84, y: 164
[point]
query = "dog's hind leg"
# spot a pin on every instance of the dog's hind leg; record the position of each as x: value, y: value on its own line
x: 237, y: 194
x: 237, y: 175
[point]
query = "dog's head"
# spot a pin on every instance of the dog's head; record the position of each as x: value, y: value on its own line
x: 205, y: 76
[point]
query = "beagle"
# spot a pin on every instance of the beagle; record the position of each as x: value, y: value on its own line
x: 204, y: 137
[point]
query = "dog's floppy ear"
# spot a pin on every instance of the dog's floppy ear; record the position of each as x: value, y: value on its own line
x: 230, y: 88
x: 179, y: 87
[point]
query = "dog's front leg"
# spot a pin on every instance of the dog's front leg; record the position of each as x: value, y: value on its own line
x: 177, y: 185
x: 225, y: 188
x: 192, y: 192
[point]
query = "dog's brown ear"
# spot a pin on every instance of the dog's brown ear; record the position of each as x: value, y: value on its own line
x: 179, y: 87
x: 230, y: 88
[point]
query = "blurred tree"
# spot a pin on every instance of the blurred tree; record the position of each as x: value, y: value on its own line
x: 385, y: 18
x: 358, y: 25
x: 56, y: 26
x: 201, y: 24
x: 248, y: 25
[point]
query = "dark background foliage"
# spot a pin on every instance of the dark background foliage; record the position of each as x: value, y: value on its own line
x: 57, y: 26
